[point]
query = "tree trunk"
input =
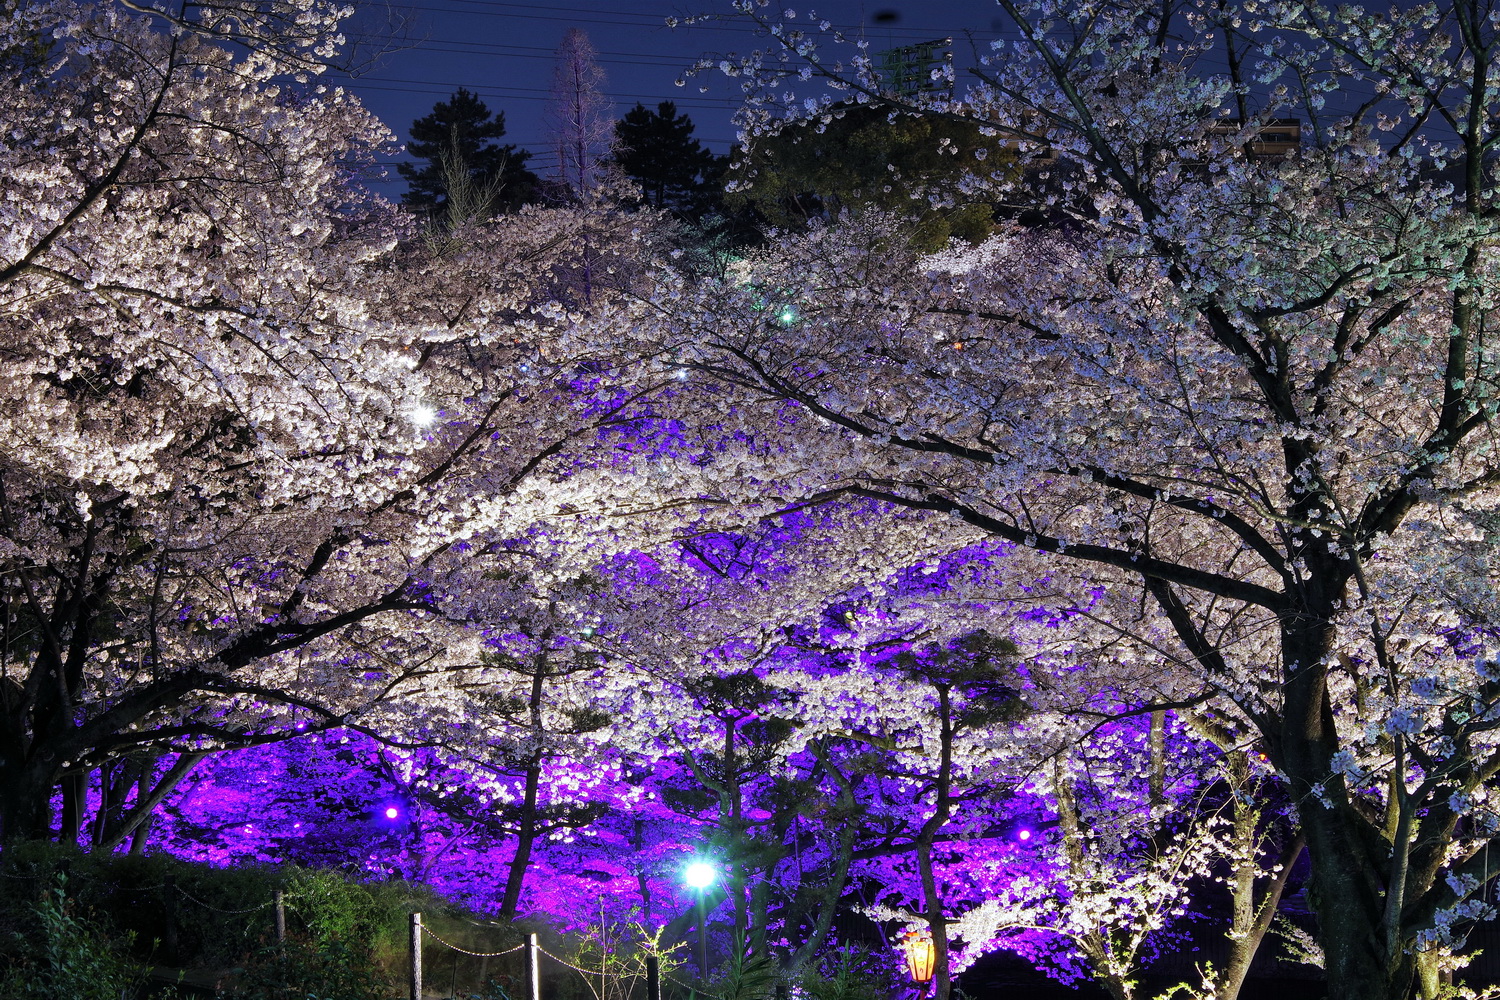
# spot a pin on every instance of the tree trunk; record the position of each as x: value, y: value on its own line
x: 151, y: 791
x: 1252, y: 914
x: 822, y: 924
x: 25, y: 796
x: 1429, y: 975
x: 937, y: 921
x: 1095, y: 947
x: 1347, y: 855
x: 74, y: 798
x: 515, y: 878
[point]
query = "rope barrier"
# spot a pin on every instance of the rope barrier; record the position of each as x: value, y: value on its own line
x: 78, y: 877
x: 564, y: 961
x: 429, y: 932
x: 209, y: 906
x: 476, y: 954
x: 688, y: 986
x: 639, y: 971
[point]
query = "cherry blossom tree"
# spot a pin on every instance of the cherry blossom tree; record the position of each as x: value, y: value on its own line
x: 278, y: 469
x: 1249, y: 398
x: 259, y: 440
x: 1132, y: 833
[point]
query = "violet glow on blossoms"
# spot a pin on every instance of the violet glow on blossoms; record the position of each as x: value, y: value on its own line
x: 1164, y: 530
x: 612, y: 747
x: 629, y: 818
x: 1191, y: 431
x: 625, y: 711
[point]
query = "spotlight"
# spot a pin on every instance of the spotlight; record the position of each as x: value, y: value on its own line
x: 699, y: 875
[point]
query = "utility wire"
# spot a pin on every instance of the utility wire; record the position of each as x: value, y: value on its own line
x: 722, y: 23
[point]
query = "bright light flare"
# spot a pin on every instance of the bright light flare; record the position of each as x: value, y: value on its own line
x: 699, y: 875
x: 391, y: 812
x: 423, y: 415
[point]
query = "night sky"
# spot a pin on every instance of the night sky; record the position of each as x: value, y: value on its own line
x: 504, y: 52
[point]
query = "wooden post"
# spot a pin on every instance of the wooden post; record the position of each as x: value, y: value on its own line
x: 169, y: 932
x: 534, y: 967
x: 280, y: 918
x: 653, y: 978
x: 416, y: 955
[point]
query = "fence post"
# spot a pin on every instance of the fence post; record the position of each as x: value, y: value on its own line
x: 169, y: 932
x: 416, y: 955
x: 653, y: 978
x: 534, y: 967
x: 280, y: 918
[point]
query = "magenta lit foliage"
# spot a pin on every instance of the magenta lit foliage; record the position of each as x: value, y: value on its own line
x: 800, y: 761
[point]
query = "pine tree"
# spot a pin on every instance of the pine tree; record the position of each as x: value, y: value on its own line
x: 656, y: 149
x: 463, y: 130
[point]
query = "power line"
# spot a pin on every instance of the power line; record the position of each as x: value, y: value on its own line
x: 727, y: 103
x: 710, y: 100
x: 554, y: 8
x: 722, y: 22
x: 484, y: 48
x: 544, y: 51
x: 570, y: 20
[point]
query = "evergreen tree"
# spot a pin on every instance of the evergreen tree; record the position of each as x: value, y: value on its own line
x: 462, y: 130
x: 656, y: 149
x: 860, y: 157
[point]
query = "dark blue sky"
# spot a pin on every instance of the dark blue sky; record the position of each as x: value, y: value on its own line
x: 504, y: 52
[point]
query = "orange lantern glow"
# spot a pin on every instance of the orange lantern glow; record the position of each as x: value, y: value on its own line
x: 920, y: 953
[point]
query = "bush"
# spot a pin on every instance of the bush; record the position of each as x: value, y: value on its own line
x: 212, y: 915
x: 70, y: 954
x: 330, y: 969
x: 217, y: 915
x: 848, y: 974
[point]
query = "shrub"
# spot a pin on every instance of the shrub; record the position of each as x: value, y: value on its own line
x: 330, y: 969
x: 72, y: 955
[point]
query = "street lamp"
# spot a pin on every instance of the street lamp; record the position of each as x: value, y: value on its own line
x: 920, y: 954
x: 699, y: 875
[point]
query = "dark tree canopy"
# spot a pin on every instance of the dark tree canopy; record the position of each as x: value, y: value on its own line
x: 657, y: 150
x: 463, y: 130
x: 861, y: 156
